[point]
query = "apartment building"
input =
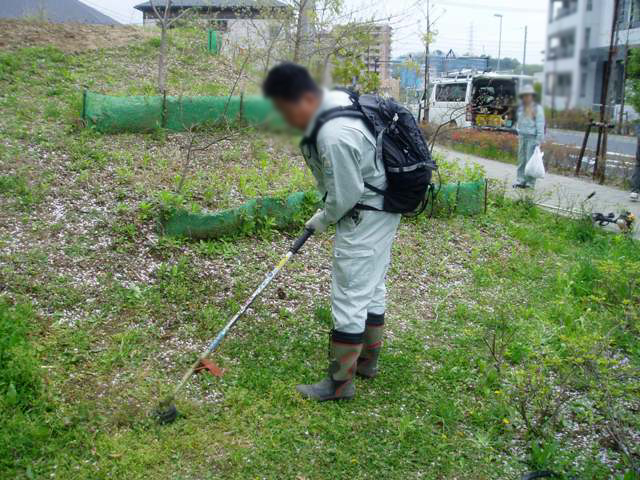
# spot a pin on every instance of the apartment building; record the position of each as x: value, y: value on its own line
x: 578, y: 37
x: 378, y: 55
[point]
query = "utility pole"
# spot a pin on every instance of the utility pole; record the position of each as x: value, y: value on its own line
x: 601, y: 159
x: 625, y: 59
x: 426, y: 65
x: 500, y: 16
x: 524, y: 55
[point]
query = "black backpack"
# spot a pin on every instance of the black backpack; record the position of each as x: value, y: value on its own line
x: 400, y: 147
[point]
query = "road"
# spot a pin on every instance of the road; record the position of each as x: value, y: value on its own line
x: 558, y: 191
x: 617, y: 143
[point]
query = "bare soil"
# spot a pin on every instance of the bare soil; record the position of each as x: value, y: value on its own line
x: 68, y: 37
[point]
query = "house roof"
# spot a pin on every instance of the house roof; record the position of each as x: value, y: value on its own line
x: 214, y: 4
x: 57, y: 11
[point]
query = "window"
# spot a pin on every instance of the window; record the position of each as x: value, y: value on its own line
x: 564, y: 85
x: 587, y: 37
x: 635, y: 14
x: 442, y: 93
x: 559, y: 84
x: 562, y: 8
x: 589, y: 5
x: 219, y: 25
x: 562, y: 45
x: 451, y: 92
x: 583, y: 85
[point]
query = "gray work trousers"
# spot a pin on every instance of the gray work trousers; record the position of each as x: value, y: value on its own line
x: 361, y: 258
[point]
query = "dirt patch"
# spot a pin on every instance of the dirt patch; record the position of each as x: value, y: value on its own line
x: 68, y: 37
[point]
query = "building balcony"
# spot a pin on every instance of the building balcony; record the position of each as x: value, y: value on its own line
x: 560, y: 53
x: 562, y: 8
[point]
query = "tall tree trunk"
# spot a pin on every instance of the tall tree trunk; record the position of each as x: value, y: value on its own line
x: 303, y: 30
x: 299, y: 26
x: 162, y: 59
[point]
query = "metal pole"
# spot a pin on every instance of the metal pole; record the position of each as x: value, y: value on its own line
x: 584, y: 147
x: 524, y: 55
x: 624, y: 70
x: 426, y: 64
x: 500, y: 16
x: 601, y: 164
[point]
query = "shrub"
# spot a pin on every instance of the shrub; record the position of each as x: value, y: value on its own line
x: 495, y: 145
x: 573, y: 119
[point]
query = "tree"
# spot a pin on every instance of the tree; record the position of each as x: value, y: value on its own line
x: 506, y: 64
x: 348, y: 68
x: 305, y: 13
x: 165, y: 22
x: 633, y: 78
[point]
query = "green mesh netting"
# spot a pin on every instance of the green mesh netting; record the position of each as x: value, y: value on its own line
x: 110, y: 114
x: 276, y: 212
x: 463, y: 198
x: 466, y: 198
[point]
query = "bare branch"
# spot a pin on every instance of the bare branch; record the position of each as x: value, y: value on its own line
x: 155, y: 11
x: 178, y: 17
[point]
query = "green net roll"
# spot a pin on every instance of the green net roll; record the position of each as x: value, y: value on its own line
x: 120, y: 114
x: 276, y: 212
x: 463, y: 198
x: 111, y: 114
x: 466, y: 198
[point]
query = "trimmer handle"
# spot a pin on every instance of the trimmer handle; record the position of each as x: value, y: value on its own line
x: 301, y: 240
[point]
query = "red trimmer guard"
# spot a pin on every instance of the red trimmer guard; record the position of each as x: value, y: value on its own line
x: 211, y: 367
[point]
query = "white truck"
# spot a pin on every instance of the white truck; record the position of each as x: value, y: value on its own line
x: 483, y: 100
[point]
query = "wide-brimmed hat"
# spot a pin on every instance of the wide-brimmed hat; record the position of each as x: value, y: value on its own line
x: 527, y: 90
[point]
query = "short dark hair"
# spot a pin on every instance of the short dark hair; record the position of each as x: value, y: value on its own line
x: 288, y: 81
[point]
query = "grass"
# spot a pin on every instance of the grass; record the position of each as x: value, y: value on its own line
x: 511, y: 342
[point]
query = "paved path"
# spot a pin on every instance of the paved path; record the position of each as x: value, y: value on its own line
x: 619, y: 144
x: 557, y: 190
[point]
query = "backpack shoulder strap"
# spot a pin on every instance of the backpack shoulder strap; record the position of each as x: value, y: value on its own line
x: 347, y: 111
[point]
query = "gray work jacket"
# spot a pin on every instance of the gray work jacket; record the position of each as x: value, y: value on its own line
x: 343, y: 158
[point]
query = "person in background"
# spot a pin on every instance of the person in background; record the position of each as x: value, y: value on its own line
x: 531, y: 127
x: 635, y: 180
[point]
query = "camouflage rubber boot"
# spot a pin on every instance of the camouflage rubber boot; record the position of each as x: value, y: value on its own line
x: 368, y: 361
x: 344, y: 349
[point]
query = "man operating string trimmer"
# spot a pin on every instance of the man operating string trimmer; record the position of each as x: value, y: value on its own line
x: 371, y: 164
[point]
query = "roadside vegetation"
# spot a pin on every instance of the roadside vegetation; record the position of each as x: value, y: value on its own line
x: 561, y: 159
x: 512, y: 343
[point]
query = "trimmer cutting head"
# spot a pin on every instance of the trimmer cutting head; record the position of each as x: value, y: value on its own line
x: 166, y: 413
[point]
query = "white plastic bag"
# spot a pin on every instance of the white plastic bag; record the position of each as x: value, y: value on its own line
x: 535, y: 165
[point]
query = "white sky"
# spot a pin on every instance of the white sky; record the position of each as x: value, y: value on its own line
x: 456, y: 19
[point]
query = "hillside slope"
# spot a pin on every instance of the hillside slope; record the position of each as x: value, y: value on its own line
x: 69, y: 37
x: 511, y: 340
x: 57, y: 11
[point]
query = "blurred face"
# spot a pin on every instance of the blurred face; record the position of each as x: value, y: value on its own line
x: 298, y: 114
x: 527, y: 100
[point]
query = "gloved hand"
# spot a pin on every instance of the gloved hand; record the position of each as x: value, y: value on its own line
x: 316, y: 223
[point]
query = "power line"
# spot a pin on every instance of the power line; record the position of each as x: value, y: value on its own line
x: 475, y: 6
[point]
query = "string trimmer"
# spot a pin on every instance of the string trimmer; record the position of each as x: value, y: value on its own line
x: 624, y: 221
x: 167, y: 411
